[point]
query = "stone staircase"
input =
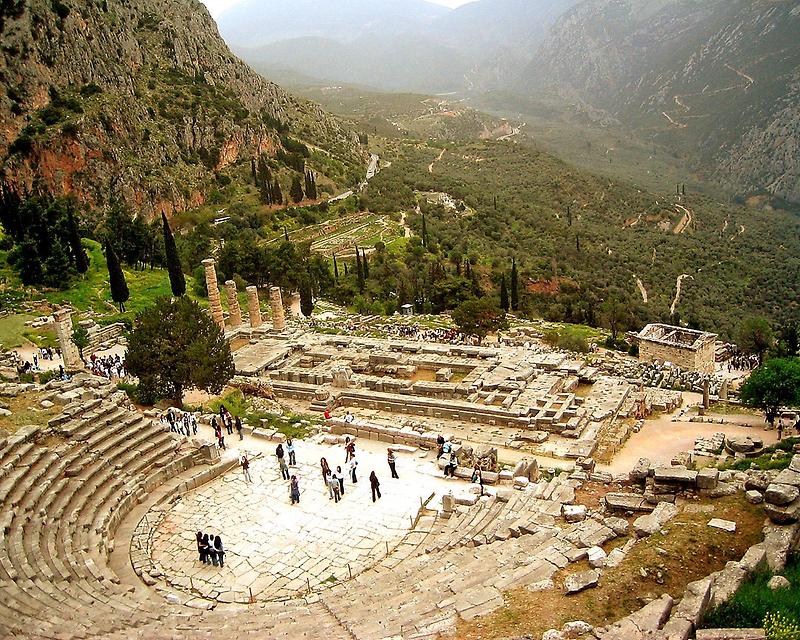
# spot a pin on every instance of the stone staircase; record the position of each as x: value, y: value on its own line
x: 63, y: 490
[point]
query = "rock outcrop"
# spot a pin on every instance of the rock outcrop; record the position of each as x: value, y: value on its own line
x: 142, y: 102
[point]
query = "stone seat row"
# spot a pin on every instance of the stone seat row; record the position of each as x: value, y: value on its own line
x: 59, y: 505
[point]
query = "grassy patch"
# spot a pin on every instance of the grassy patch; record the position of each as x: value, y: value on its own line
x: 767, y: 460
x: 754, y: 600
x: 239, y: 405
x: 690, y: 550
x: 13, y: 329
x: 25, y: 409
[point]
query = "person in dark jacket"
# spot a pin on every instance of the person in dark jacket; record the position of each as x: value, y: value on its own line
x: 375, y: 484
x: 294, y: 490
x: 239, y: 427
x: 201, y: 550
x: 219, y: 552
x: 207, y: 550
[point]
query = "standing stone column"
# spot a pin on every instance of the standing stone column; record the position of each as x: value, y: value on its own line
x: 254, y: 307
x: 276, y: 304
x: 233, y: 304
x: 706, y: 395
x: 215, y: 307
x: 69, y: 351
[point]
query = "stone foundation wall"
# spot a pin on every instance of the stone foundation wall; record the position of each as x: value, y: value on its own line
x: 695, y: 360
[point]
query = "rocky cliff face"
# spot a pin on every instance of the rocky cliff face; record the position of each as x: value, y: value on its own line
x: 140, y: 100
x: 719, y: 80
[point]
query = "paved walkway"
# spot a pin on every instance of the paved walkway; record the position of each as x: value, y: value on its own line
x: 275, y: 549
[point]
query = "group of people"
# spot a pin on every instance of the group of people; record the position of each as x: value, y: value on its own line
x: 210, y: 549
x: 229, y: 423
x: 743, y: 362
x: 110, y: 366
x: 416, y: 332
x: 181, y: 422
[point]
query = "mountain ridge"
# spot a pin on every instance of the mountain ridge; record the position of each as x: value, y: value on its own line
x: 147, y: 105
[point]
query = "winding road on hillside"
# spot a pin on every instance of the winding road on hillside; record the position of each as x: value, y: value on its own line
x: 678, y: 286
x: 430, y: 166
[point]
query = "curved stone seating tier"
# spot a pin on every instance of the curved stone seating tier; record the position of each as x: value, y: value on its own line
x: 63, y: 491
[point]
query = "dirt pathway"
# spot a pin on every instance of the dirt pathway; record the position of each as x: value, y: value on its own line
x: 681, y: 125
x: 642, y: 290
x: 430, y: 166
x: 678, y: 286
x: 686, y: 220
x: 740, y: 73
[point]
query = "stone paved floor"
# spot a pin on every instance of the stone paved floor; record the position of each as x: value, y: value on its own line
x: 278, y: 550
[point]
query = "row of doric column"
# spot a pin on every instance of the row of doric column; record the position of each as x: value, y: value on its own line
x: 234, y: 310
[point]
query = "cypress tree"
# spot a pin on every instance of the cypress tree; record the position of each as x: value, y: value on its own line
x: 306, y: 297
x: 285, y: 234
x: 514, y: 285
x: 346, y: 270
x: 296, y: 191
x: 277, y: 194
x: 569, y: 215
x: 116, y: 279
x: 504, y: 304
x: 359, y: 271
x: 79, y: 255
x: 424, y: 231
x: 311, y: 185
x: 335, y: 268
x: 176, y: 280
x: 253, y: 171
x: 365, y: 263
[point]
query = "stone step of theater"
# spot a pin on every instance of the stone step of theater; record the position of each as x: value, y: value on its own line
x: 65, y: 488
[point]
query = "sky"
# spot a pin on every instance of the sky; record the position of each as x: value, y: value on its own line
x: 218, y: 6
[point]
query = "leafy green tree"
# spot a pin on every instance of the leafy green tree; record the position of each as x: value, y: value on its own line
x: 296, y: 190
x: 755, y: 337
x: 479, y: 317
x: 80, y: 336
x: 773, y: 385
x: 505, y: 304
x: 175, y: 346
x: 514, y: 285
x: 177, y: 280
x: 616, y: 316
x: 116, y: 278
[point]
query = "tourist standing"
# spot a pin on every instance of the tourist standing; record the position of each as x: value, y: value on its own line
x: 353, y: 465
x: 340, y: 477
x: 326, y: 470
x: 780, y: 429
x: 229, y: 424
x: 290, y: 451
x: 375, y: 484
x: 334, y: 487
x: 206, y: 549
x: 219, y: 552
x: 246, y: 468
x: 451, y: 466
x: 391, y: 460
x: 294, y: 490
x: 284, y: 468
x: 477, y: 477
x: 201, y: 551
x: 349, y: 449
x: 239, y: 427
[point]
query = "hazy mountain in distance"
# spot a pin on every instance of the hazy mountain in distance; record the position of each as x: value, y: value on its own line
x: 254, y: 23
x: 393, y: 44
x: 717, y: 80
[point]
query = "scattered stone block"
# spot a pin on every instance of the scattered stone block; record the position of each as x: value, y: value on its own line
x: 596, y: 557
x: 754, y: 497
x: 781, y: 494
x: 647, y: 525
x: 577, y: 582
x: 574, y: 513
x: 725, y: 525
x: 778, y: 582
x: 707, y: 478
x: 730, y: 634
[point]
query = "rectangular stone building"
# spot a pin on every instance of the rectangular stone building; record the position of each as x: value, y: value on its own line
x: 686, y: 348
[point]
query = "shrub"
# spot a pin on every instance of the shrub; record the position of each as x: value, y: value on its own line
x: 779, y: 627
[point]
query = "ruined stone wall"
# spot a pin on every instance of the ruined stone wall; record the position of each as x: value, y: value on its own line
x: 684, y: 357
